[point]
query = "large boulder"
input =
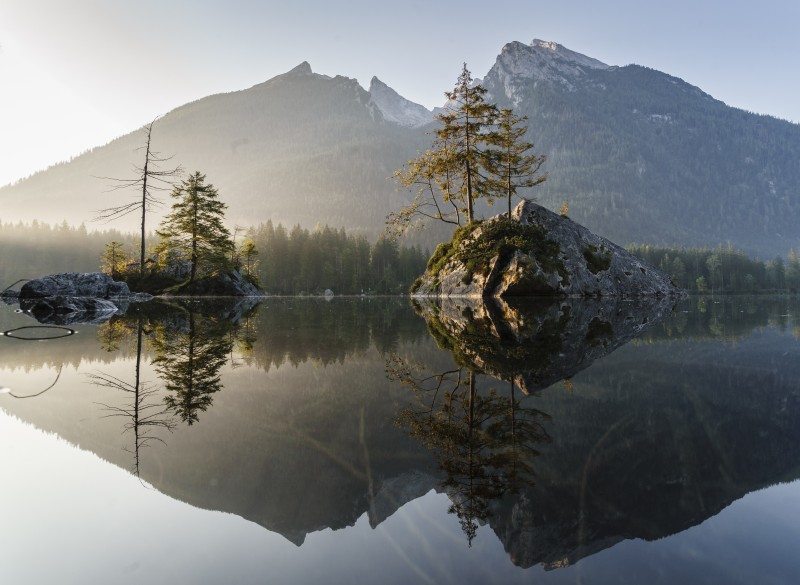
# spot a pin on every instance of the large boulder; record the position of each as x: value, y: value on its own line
x: 74, y: 284
x: 538, y: 253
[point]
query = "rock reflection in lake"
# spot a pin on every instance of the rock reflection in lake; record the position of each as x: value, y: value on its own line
x: 537, y: 342
x: 485, y: 441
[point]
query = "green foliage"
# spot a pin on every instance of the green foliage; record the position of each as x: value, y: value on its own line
x: 114, y: 261
x: 477, y: 154
x: 511, y: 163
x: 195, y: 227
x: 498, y: 238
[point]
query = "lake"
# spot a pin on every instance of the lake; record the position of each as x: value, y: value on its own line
x: 361, y: 440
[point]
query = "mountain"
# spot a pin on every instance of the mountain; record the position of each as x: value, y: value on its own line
x: 300, y: 148
x: 395, y: 108
x: 639, y: 156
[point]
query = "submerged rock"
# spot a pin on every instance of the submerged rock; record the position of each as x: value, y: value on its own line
x: 538, y: 253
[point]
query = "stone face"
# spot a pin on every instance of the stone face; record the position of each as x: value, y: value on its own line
x: 588, y: 266
x: 74, y: 284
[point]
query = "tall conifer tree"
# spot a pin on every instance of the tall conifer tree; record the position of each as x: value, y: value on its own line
x: 513, y: 165
x: 194, y: 226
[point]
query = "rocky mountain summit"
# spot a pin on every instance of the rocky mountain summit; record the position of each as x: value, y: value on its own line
x: 537, y: 253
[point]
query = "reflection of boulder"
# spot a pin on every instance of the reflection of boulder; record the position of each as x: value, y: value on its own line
x: 537, y: 342
x: 61, y: 310
x: 537, y: 252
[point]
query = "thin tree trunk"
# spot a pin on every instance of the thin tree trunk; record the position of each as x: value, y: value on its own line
x: 144, y: 200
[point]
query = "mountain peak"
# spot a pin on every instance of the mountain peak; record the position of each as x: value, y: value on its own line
x: 560, y: 52
x: 303, y: 69
x: 395, y: 108
x: 519, y: 63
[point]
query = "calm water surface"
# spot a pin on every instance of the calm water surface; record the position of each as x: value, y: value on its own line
x: 366, y: 440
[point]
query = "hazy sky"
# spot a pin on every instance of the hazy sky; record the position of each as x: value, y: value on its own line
x: 77, y: 73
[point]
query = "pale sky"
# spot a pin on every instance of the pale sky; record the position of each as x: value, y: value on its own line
x: 77, y: 73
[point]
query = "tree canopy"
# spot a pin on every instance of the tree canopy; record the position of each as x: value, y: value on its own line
x: 479, y: 152
x: 195, y: 229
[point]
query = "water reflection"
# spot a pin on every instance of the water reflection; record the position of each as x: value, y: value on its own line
x: 144, y: 415
x: 485, y: 441
x: 663, y: 422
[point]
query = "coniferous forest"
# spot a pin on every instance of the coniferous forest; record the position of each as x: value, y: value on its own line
x: 722, y: 270
x: 286, y: 261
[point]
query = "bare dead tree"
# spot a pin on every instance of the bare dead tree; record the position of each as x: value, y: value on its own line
x: 150, y: 177
x: 142, y: 414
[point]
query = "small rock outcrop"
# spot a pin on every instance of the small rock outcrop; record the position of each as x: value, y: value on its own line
x: 537, y: 253
x: 224, y: 284
x: 76, y: 297
x: 94, y: 285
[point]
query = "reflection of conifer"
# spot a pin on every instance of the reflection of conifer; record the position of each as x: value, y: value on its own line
x: 143, y: 414
x: 484, y: 441
x: 189, y: 362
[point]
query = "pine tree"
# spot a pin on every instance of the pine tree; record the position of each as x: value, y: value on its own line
x: 195, y: 228
x: 114, y: 260
x: 513, y: 164
x: 457, y: 169
x: 467, y: 122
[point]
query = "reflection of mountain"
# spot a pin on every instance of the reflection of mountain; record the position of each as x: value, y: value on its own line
x: 651, y: 439
x: 644, y: 444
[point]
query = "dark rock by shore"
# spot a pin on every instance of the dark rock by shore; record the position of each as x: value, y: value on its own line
x: 539, y: 253
x: 76, y: 297
x: 94, y: 285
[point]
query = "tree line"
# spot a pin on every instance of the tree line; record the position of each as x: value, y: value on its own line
x: 297, y: 260
x: 722, y: 270
x: 285, y: 261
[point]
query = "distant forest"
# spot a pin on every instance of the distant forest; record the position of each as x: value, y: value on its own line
x: 722, y: 270
x: 298, y: 260
x: 289, y: 262
x: 36, y: 249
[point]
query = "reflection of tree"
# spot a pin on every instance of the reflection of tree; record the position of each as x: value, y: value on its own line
x: 484, y: 440
x: 144, y: 415
x: 189, y: 359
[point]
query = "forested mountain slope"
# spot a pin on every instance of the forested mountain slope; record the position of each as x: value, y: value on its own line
x: 639, y: 156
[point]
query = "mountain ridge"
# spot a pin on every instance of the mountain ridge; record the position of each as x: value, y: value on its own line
x: 640, y: 156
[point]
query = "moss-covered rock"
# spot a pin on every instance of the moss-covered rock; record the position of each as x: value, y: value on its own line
x: 536, y: 253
